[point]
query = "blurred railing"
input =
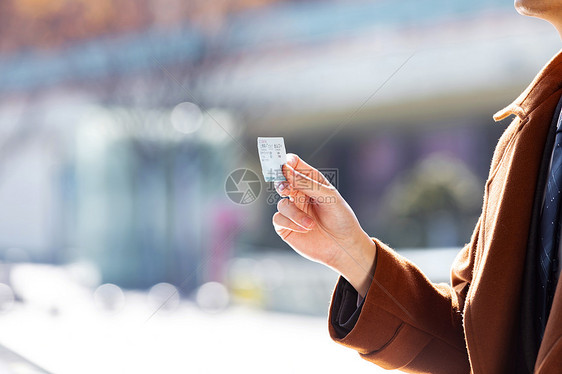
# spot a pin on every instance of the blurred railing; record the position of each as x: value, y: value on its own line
x: 284, y: 23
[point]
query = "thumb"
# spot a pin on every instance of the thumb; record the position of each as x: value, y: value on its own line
x: 309, y: 186
x: 302, y: 167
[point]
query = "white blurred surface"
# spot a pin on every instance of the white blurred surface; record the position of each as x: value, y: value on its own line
x: 187, y: 340
x: 61, y: 325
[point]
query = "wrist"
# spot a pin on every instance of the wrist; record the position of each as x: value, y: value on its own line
x: 357, y: 264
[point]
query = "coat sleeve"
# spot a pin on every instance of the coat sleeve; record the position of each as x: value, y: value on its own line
x: 407, y: 322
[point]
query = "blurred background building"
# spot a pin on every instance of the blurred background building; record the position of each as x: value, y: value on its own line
x: 121, y: 120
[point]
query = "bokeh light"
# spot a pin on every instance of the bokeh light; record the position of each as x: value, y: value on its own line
x: 212, y: 297
x: 163, y: 297
x: 186, y: 117
x: 109, y: 298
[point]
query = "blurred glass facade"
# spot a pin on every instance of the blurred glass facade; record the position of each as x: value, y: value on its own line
x: 101, y: 163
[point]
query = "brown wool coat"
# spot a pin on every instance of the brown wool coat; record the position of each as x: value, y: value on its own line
x: 411, y: 324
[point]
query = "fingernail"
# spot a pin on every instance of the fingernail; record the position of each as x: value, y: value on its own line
x: 307, y: 222
x: 281, y: 187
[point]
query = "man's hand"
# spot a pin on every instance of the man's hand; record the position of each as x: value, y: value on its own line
x: 319, y: 224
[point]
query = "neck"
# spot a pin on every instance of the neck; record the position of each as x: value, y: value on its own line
x: 547, y: 10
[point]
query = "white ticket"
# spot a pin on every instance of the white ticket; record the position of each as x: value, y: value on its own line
x: 272, y: 157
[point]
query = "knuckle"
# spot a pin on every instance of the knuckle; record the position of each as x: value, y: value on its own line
x: 331, y: 189
x: 281, y: 204
x: 276, y: 222
x: 277, y: 218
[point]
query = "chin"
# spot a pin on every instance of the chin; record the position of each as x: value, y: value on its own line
x: 524, y: 7
x: 538, y: 8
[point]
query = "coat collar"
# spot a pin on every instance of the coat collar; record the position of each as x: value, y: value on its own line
x: 545, y: 84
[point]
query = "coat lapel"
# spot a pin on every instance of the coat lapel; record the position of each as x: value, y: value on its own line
x: 493, y: 322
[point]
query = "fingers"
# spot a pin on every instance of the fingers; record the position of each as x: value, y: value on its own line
x: 289, y: 210
x: 281, y: 222
x: 301, y: 177
x: 283, y: 188
x: 301, y: 166
x: 310, y: 186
